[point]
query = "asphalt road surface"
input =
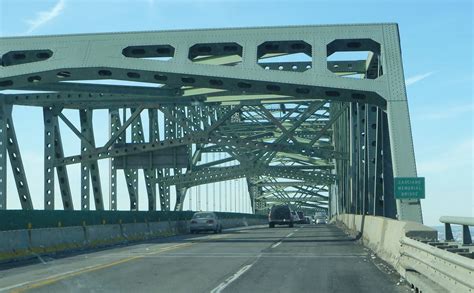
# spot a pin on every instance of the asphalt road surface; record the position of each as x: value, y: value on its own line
x: 306, y: 258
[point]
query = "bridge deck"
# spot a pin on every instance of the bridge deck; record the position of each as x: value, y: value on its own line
x: 306, y: 258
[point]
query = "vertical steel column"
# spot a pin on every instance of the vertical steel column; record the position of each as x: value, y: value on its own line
x: 85, y: 174
x: 179, y: 111
x: 49, y: 153
x: 3, y: 155
x: 91, y: 167
x: 401, y: 141
x: 371, y: 147
x: 163, y: 188
x: 114, y: 119
x: 154, y: 136
x: 390, y: 207
x: 61, y: 171
x: 378, y: 183
x: 341, y: 141
x: 354, y: 159
x: 362, y: 174
x: 253, y: 192
x: 131, y: 175
x: 335, y: 190
x: 346, y: 163
x: 149, y: 174
x: 16, y: 163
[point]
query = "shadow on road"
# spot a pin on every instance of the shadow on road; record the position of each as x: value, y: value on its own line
x: 319, y: 233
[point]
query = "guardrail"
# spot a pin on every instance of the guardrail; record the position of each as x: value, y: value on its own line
x: 413, y: 250
x: 451, y: 271
x: 464, y: 221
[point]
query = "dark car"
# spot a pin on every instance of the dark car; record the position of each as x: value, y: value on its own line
x: 280, y: 215
x: 301, y: 216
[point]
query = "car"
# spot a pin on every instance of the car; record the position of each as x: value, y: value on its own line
x: 307, y: 219
x: 295, y: 217
x: 301, y: 216
x: 320, y: 220
x: 205, y: 221
x: 280, y: 215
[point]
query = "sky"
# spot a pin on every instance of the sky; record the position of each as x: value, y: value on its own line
x: 437, y: 45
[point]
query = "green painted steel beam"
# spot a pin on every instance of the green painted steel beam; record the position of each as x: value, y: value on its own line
x: 266, y: 115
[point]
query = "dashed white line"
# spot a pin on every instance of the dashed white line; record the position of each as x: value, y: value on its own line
x: 231, y: 279
x: 289, y: 235
x: 276, y: 244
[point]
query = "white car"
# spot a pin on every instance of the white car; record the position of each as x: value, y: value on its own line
x: 205, y: 221
x: 320, y: 221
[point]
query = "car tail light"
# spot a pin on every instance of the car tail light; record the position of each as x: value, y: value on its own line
x: 193, y: 222
x: 210, y: 221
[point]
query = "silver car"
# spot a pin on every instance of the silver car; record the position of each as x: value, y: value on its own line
x: 295, y: 217
x: 205, y: 221
x: 321, y: 221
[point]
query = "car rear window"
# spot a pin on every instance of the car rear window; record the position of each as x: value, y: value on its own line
x: 281, y: 212
x: 203, y: 215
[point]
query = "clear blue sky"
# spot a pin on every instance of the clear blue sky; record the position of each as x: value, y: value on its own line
x: 437, y: 45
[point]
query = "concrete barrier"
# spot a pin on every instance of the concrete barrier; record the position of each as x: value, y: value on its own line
x: 99, y: 235
x: 181, y: 227
x: 239, y: 222
x: 17, y: 244
x: 401, y: 244
x: 135, y: 231
x: 160, y: 229
x: 383, y: 235
x: 56, y: 239
x: 14, y: 244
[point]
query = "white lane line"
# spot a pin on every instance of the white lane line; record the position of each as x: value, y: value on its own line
x: 276, y: 244
x: 289, y: 235
x: 231, y: 279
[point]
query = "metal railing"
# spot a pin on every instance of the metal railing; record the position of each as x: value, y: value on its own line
x: 464, y: 221
x: 448, y: 270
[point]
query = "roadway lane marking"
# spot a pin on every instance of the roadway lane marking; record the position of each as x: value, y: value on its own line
x: 22, y: 287
x: 276, y: 244
x: 289, y: 235
x: 231, y: 279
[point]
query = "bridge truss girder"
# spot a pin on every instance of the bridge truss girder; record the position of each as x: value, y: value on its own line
x: 339, y: 139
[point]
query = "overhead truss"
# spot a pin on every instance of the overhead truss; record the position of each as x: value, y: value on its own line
x: 300, y: 125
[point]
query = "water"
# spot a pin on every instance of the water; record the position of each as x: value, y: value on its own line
x: 457, y: 232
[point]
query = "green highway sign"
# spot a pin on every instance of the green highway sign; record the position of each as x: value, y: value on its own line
x: 409, y: 187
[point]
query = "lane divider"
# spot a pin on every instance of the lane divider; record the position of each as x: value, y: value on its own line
x: 276, y: 244
x: 231, y: 279
x: 289, y: 235
x: 235, y: 276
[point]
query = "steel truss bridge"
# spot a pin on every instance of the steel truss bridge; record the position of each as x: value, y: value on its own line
x: 300, y: 126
